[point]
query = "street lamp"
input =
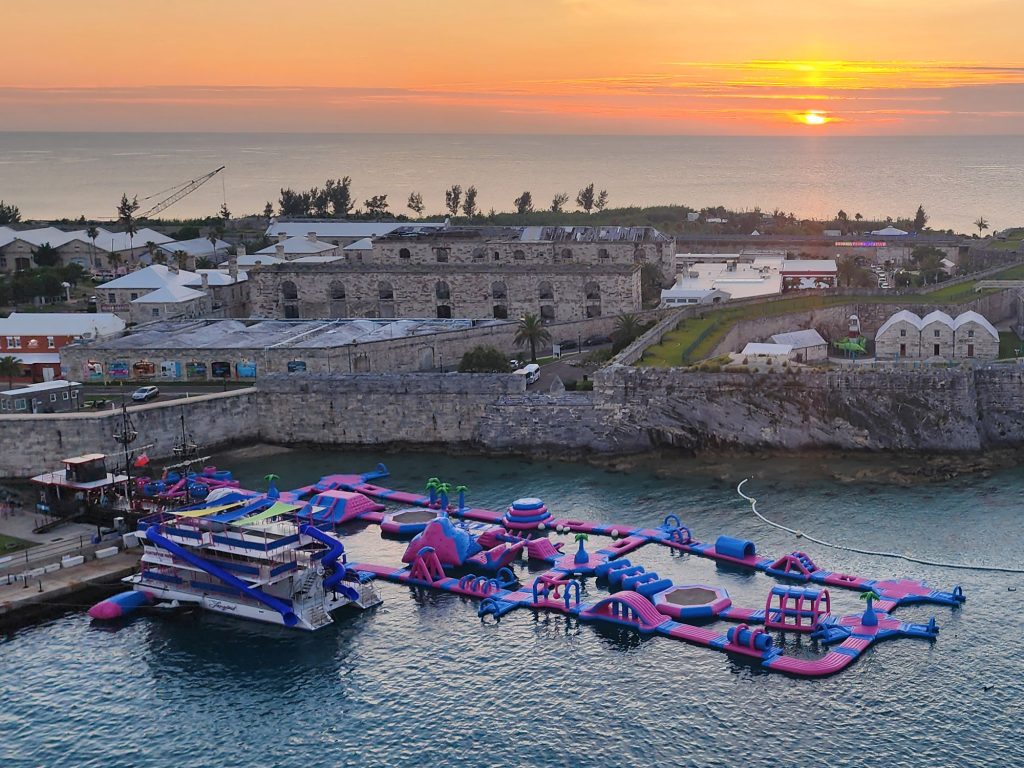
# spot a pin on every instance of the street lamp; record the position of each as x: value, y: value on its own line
x: 67, y: 291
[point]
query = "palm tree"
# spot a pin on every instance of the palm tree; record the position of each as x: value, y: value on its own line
x: 581, y: 553
x: 116, y: 260
x: 627, y: 329
x: 181, y: 259
x: 10, y: 367
x: 92, y: 233
x: 869, y: 619
x: 981, y: 224
x: 461, y: 490
x: 531, y: 331
x: 151, y: 250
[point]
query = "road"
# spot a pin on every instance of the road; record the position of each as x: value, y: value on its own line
x: 114, y: 392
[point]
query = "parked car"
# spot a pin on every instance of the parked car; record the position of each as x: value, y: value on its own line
x: 145, y: 394
x: 515, y: 364
x: 567, y: 344
x: 531, y: 372
x: 595, y: 341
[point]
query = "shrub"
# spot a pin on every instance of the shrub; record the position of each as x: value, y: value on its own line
x: 484, y: 359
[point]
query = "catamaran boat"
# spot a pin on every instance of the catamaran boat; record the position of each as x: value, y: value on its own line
x: 267, y: 565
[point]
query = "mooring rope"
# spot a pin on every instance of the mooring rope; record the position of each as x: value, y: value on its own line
x: 894, y: 555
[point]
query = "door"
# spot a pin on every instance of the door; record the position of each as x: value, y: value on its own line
x: 903, y: 350
x: 48, y: 372
x: 936, y: 348
x: 970, y: 350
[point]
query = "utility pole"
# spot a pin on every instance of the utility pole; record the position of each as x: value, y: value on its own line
x: 126, y: 437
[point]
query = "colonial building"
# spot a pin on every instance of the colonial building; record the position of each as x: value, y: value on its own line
x: 35, y: 339
x: 558, y: 273
x: 107, y: 252
x: 556, y: 293
x: 937, y: 335
x: 226, y: 293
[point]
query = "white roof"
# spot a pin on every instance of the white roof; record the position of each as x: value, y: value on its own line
x: 61, y: 324
x: 36, y: 237
x: 905, y: 316
x: 317, y: 259
x: 119, y: 241
x: 252, y: 260
x: 800, y: 339
x: 169, y: 294
x: 890, y: 231
x: 366, y: 244
x: 158, y: 275
x: 42, y: 387
x: 809, y: 265
x: 677, y: 292
x: 758, y: 348
x: 37, y: 357
x: 300, y: 245
x: 937, y: 317
x: 341, y: 229
x: 974, y: 317
x: 199, y: 246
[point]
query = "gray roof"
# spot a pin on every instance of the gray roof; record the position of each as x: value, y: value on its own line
x: 800, y: 339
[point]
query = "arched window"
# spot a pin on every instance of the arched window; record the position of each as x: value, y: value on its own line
x: 519, y: 255
x: 288, y: 291
x: 602, y: 253
x: 544, y: 291
x: 442, y: 291
x: 337, y: 290
x: 592, y: 291
x: 567, y: 253
x: 403, y: 253
x: 498, y: 290
x: 385, y: 292
x: 479, y: 253
x: 339, y: 307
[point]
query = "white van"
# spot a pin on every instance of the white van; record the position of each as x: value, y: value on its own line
x: 531, y: 372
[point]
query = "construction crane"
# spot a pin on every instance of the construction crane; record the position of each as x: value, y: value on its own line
x: 182, y: 190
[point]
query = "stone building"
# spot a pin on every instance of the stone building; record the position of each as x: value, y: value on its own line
x: 226, y: 292
x: 555, y: 292
x: 109, y: 251
x: 905, y: 335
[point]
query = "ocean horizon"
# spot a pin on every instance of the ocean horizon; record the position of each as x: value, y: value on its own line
x: 956, y: 178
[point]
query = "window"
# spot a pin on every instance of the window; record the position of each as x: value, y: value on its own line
x: 970, y: 334
x: 547, y: 312
x: 156, y: 312
x: 497, y: 256
x: 903, y: 332
x: 592, y: 291
x: 479, y: 253
x: 442, y: 291
x: 51, y: 343
x: 111, y: 298
x: 19, y: 404
x: 53, y: 396
x: 441, y: 254
x: 288, y: 291
x: 544, y: 291
x: 3, y: 262
x: 567, y: 254
x: 936, y: 334
x: 5, y: 405
x: 602, y: 253
x: 519, y: 255
x: 14, y: 342
x: 135, y: 296
x: 499, y: 290
x: 385, y: 291
x: 74, y: 394
x: 404, y: 253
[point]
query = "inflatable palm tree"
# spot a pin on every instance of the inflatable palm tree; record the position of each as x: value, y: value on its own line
x: 581, y: 553
x: 432, y: 486
x: 444, y: 489
x: 869, y: 619
x: 272, y: 492
x: 461, y: 490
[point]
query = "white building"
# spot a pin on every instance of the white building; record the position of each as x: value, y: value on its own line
x: 197, y: 248
x: 341, y: 233
x: 767, y: 351
x: 290, y: 248
x: 17, y: 247
x: 806, y: 345
x: 937, y: 335
x: 227, y: 289
x: 677, y: 297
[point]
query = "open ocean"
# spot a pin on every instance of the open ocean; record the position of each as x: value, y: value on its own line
x: 421, y: 681
x: 957, y: 179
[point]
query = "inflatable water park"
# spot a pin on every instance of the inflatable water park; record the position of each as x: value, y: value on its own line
x: 278, y: 557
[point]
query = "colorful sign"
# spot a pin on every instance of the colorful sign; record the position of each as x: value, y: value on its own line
x: 93, y: 370
x: 119, y: 370
x: 194, y: 370
x: 144, y: 369
x: 296, y: 366
x: 220, y: 369
x: 170, y: 369
x: 860, y: 244
x: 246, y: 369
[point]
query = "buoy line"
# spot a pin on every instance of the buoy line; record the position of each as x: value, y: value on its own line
x: 894, y: 555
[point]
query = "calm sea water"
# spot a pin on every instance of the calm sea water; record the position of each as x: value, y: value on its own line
x: 422, y: 681
x: 957, y: 179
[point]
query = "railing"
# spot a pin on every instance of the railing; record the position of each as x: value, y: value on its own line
x: 42, y: 555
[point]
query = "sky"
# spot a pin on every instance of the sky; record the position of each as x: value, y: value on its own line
x: 860, y: 67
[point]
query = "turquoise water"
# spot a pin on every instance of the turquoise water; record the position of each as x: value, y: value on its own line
x: 956, y: 178
x: 422, y: 681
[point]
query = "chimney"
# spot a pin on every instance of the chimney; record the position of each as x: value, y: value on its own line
x: 281, y: 237
x: 233, y: 268
x: 240, y: 250
x: 279, y: 248
x: 172, y: 268
x: 311, y: 236
x: 206, y: 281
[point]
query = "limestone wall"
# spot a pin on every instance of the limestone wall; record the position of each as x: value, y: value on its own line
x: 30, y: 445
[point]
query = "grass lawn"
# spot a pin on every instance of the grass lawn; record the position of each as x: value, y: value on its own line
x: 1009, y: 342
x: 670, y: 351
x: 1013, y: 273
x: 10, y: 544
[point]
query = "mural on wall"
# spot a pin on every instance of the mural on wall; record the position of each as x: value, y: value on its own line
x: 119, y: 370
x: 220, y: 369
x: 245, y: 369
x: 93, y: 370
x: 170, y: 369
x: 296, y: 366
x: 144, y: 369
x: 195, y: 370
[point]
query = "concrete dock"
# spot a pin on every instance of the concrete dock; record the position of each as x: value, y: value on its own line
x: 65, y: 589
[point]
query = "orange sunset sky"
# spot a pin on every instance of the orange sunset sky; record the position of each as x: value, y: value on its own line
x: 530, y: 66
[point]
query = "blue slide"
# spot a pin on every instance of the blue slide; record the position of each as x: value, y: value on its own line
x: 330, y: 560
x: 290, y: 619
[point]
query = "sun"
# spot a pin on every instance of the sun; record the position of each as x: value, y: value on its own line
x: 813, y: 117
